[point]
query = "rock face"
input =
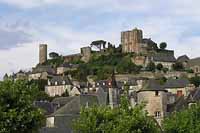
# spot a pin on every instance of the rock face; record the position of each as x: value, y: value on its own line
x: 42, y: 53
x: 131, y: 41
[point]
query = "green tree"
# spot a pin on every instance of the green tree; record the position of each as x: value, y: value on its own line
x: 185, y: 121
x: 178, y: 66
x: 159, y: 66
x: 163, y: 45
x: 195, y: 80
x: 99, y: 119
x: 17, y: 112
x: 53, y: 55
x: 151, y: 67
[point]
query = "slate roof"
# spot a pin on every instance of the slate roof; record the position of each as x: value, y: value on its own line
x: 183, y: 58
x: 152, y: 85
x: 60, y: 79
x: 176, y: 83
x: 62, y: 100
x: 48, y: 107
x: 75, y: 104
x: 194, y: 62
x: 164, y: 57
x: 180, y: 103
x: 194, y: 95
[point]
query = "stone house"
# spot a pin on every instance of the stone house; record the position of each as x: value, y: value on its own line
x: 66, y: 67
x: 194, y: 64
x: 41, y: 72
x: 58, y: 85
x: 166, y: 58
x: 180, y: 87
x: 155, y: 97
x: 183, y: 59
x: 60, y: 121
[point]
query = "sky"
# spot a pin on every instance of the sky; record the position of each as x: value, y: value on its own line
x: 67, y: 25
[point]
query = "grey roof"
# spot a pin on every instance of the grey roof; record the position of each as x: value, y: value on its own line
x: 164, y: 57
x: 62, y: 100
x: 183, y: 58
x: 44, y: 68
x: 74, y: 106
x: 194, y: 62
x: 176, y: 83
x: 152, y: 85
x: 48, y: 107
x: 194, y: 95
x: 180, y: 103
x: 60, y: 79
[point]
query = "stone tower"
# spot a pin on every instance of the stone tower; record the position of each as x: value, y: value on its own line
x: 42, y: 53
x: 131, y: 41
x: 86, y: 53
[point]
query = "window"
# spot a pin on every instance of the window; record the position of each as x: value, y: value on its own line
x: 157, y: 114
x: 179, y: 93
x: 156, y: 93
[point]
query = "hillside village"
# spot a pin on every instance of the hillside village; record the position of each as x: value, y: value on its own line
x: 102, y: 72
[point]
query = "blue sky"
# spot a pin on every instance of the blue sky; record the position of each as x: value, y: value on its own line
x: 66, y: 25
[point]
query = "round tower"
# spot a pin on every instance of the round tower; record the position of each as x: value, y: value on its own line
x: 42, y: 53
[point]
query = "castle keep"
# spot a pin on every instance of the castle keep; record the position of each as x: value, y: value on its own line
x: 42, y: 53
x: 131, y: 41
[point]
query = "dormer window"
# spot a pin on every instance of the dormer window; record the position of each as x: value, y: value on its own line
x: 63, y: 82
x: 56, y: 83
x: 104, y: 83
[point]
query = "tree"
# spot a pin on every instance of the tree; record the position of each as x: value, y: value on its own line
x: 185, y: 121
x: 195, y: 80
x: 123, y: 119
x: 163, y: 45
x: 53, y: 55
x: 178, y: 66
x: 159, y: 67
x: 17, y: 112
x: 151, y: 67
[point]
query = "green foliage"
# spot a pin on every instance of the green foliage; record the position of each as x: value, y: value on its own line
x: 159, y: 66
x: 101, y: 66
x: 163, y: 45
x: 123, y: 119
x: 195, y: 80
x: 17, y: 113
x: 186, y: 121
x: 178, y: 66
x: 53, y: 55
x: 151, y: 67
x: 55, y: 62
x: 165, y: 70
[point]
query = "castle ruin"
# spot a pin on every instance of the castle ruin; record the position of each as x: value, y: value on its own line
x: 42, y: 53
x: 131, y: 41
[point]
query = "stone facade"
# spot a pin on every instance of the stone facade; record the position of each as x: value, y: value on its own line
x: 86, y: 53
x: 42, y: 53
x: 37, y: 76
x: 156, y: 103
x: 165, y: 64
x: 131, y: 41
x: 57, y: 90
